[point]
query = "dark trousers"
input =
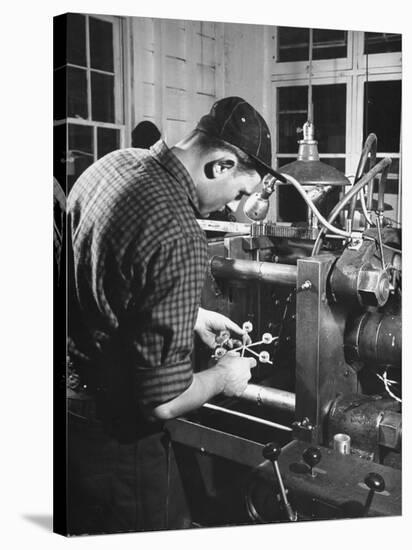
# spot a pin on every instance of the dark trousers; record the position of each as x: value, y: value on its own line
x: 119, y: 487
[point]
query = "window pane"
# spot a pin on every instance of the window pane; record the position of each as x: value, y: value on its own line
x: 76, y: 39
x: 101, y: 44
x: 81, y: 139
x: 59, y: 94
x: 329, y: 117
x: 329, y: 108
x: 107, y: 140
x: 81, y: 147
x: 381, y: 42
x: 102, y: 97
x: 59, y: 153
x: 77, y: 92
x: 59, y: 41
x: 293, y: 113
x: 328, y: 44
x: 382, y: 113
x: 293, y: 44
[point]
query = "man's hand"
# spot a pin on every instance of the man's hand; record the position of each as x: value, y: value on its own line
x: 209, y: 324
x: 236, y: 373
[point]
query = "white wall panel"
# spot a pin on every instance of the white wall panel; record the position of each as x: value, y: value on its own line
x: 174, y: 131
x: 206, y: 28
x: 148, y: 109
x: 205, y: 79
x: 205, y: 49
x: 147, y: 33
x: 175, y: 73
x: 174, y: 39
x: 180, y: 59
x: 148, y: 65
x: 176, y: 104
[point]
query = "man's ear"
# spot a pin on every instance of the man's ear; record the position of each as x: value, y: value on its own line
x: 216, y: 168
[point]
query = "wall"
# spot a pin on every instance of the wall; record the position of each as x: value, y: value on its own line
x: 179, y: 68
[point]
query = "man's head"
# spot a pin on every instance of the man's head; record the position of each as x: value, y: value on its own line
x: 227, y: 154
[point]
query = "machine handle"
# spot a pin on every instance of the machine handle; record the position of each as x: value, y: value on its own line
x: 312, y: 456
x: 376, y: 484
x: 271, y: 452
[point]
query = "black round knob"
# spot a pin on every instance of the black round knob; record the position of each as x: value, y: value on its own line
x: 375, y: 482
x: 271, y: 451
x: 312, y: 456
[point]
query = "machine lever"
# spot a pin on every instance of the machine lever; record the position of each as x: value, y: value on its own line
x: 376, y: 484
x: 312, y: 456
x: 271, y: 452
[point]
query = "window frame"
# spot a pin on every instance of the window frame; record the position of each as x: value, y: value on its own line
x: 318, y: 65
x: 317, y: 81
x: 120, y: 91
x: 352, y: 70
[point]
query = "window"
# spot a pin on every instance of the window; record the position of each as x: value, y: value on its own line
x: 381, y: 42
x: 293, y: 44
x: 382, y: 116
x: 346, y: 109
x: 329, y: 110
x: 88, y: 99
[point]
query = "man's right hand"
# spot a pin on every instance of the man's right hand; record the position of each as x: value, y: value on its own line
x: 229, y: 375
x: 235, y: 371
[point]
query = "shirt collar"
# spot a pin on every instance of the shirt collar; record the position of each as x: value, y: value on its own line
x: 164, y: 156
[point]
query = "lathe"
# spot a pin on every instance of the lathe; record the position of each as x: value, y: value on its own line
x: 317, y: 434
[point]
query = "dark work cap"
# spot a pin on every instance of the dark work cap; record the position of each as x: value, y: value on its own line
x: 235, y: 121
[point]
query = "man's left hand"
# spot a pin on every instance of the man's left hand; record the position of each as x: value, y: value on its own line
x: 210, y: 323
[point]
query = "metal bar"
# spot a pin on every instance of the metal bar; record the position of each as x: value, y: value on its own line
x: 215, y: 442
x: 250, y: 270
x: 291, y: 514
x: 225, y: 227
x: 270, y: 397
x: 247, y: 417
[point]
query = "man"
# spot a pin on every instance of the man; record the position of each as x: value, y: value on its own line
x: 137, y: 269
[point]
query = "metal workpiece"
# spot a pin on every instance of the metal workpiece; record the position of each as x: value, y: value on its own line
x: 390, y: 430
x: 249, y: 270
x: 373, y: 286
x: 374, y: 338
x: 283, y: 231
x: 270, y: 397
x: 360, y: 417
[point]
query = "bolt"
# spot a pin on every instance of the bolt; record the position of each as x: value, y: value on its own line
x: 306, y: 285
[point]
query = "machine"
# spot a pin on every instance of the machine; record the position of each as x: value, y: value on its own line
x: 317, y: 434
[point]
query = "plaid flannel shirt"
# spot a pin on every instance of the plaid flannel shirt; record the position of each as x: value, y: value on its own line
x: 139, y: 261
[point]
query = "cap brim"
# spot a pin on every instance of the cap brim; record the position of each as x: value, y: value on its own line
x: 269, y: 169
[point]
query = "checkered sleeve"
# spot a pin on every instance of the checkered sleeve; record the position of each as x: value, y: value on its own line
x: 162, y: 344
